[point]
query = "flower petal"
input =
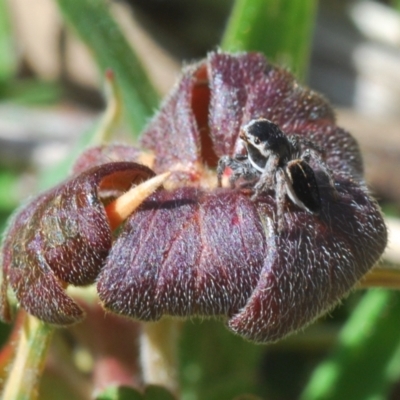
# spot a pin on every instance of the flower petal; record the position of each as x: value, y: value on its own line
x: 62, y: 237
x: 174, y: 135
x: 104, y: 154
x: 185, y: 252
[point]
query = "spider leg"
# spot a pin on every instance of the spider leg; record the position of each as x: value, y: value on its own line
x: 267, y: 178
x: 240, y: 167
x: 280, y: 195
x: 223, y: 163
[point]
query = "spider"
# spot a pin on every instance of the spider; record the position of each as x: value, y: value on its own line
x: 277, y: 162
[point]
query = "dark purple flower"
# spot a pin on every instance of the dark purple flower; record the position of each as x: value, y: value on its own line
x: 194, y: 249
x: 201, y: 250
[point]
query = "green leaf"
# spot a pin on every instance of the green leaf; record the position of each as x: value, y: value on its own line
x: 281, y: 29
x: 366, y: 361
x: 92, y: 21
x: 7, y: 53
x: 120, y: 393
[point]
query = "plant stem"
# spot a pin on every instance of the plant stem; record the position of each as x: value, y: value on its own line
x: 381, y: 277
x: 159, y: 353
x: 112, y: 114
x: 24, y: 377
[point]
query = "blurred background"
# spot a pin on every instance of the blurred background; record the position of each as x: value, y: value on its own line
x: 51, y: 92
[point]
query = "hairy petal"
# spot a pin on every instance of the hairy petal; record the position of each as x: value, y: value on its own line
x: 62, y: 237
x: 173, y: 133
x: 103, y: 154
x: 185, y: 252
x: 314, y: 263
x: 228, y: 98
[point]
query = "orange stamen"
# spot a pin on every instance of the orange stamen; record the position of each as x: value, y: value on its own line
x: 120, y: 209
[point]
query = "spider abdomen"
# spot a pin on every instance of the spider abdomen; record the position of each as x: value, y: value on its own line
x: 302, y: 187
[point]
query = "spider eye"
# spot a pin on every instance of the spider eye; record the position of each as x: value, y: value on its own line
x: 257, y: 141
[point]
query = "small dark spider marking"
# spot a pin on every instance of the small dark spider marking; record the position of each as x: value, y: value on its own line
x: 277, y: 162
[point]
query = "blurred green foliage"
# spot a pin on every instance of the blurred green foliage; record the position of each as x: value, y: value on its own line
x: 217, y: 365
x: 281, y: 29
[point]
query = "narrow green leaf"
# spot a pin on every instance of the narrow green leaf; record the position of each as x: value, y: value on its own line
x: 366, y: 361
x: 92, y: 21
x: 281, y: 29
x: 7, y: 54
